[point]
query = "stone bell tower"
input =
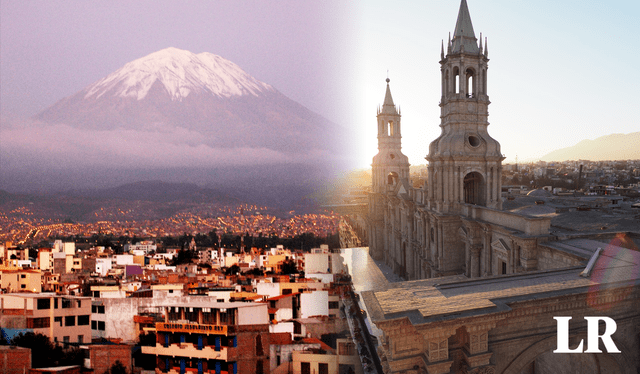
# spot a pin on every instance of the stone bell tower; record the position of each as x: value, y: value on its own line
x: 389, y: 166
x: 465, y: 163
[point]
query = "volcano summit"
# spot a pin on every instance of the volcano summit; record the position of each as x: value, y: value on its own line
x: 204, y: 94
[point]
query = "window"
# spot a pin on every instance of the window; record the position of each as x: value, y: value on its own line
x: 38, y: 323
x: 79, y: 303
x: 101, y: 326
x: 504, y: 267
x: 209, y: 318
x: 22, y: 276
x: 80, y: 339
x: 346, y: 349
x: 259, y: 348
x: 83, y: 320
x: 305, y: 368
x: 57, y: 320
x: 96, y: 293
x: 44, y: 304
x: 94, y: 325
x: 191, y: 314
x: 70, y: 320
x: 66, y: 303
x: 65, y: 339
x: 23, y: 286
x: 334, y: 305
x: 323, y: 368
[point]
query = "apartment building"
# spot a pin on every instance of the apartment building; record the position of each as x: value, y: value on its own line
x: 64, y: 319
x: 210, y: 337
x: 17, y: 279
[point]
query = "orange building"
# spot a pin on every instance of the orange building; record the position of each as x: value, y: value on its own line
x: 211, y: 337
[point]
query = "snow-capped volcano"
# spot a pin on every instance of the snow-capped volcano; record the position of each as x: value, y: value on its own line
x: 197, y: 100
x: 180, y: 72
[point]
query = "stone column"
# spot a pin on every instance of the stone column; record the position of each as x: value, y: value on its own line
x: 476, y: 350
x: 528, y: 255
x: 475, y: 260
x: 461, y: 187
x: 488, y: 183
x: 436, y: 355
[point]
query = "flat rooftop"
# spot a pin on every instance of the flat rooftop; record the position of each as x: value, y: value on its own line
x: 446, y: 298
x: 567, y: 220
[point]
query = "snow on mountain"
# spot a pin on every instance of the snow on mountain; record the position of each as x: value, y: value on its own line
x: 180, y: 72
x: 196, y: 100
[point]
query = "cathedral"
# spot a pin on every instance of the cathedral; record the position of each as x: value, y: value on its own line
x: 484, y: 285
x: 453, y: 224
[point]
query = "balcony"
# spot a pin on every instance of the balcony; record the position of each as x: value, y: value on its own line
x: 191, y: 351
x: 176, y: 370
x: 194, y: 328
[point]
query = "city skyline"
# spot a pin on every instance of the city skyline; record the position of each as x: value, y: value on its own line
x: 547, y: 92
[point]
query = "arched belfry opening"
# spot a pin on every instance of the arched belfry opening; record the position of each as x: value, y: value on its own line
x: 392, y: 178
x: 470, y: 88
x: 390, y: 130
x: 456, y: 80
x: 474, y: 189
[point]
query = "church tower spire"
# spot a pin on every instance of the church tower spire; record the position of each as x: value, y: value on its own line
x: 465, y: 163
x: 389, y: 166
x: 464, y: 39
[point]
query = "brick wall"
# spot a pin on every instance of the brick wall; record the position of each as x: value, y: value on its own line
x: 14, y: 360
x: 104, y: 356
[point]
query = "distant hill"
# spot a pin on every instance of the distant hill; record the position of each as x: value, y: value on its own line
x: 151, y: 200
x: 609, y: 147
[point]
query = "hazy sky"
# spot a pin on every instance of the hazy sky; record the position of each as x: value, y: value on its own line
x: 559, y: 71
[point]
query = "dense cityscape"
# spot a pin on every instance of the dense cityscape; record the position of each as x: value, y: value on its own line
x: 177, y: 215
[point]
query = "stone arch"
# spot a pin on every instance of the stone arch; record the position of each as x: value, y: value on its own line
x: 470, y: 82
x: 392, y: 178
x: 456, y: 80
x: 475, y: 189
x: 604, y: 362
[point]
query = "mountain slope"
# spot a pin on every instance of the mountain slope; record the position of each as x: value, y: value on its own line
x: 201, y: 93
x: 609, y: 147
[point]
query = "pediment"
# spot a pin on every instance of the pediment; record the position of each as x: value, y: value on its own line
x: 462, y: 232
x: 500, y: 245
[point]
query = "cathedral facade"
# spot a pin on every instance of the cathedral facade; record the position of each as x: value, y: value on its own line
x: 453, y: 224
x: 484, y: 285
